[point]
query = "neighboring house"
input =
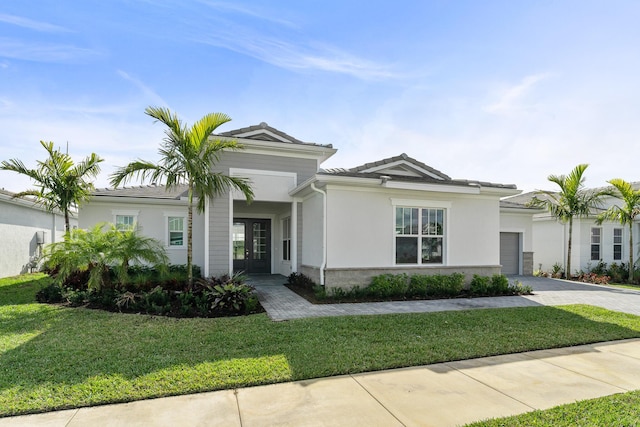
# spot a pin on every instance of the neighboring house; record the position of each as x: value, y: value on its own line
x: 25, y: 227
x: 591, y: 243
x: 338, y: 226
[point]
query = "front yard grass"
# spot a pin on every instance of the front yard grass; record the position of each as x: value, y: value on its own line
x: 617, y: 410
x: 53, y: 357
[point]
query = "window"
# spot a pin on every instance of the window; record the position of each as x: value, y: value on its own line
x: 617, y: 243
x: 286, y: 239
x: 125, y: 222
x: 419, y: 235
x: 595, y: 243
x: 176, y: 230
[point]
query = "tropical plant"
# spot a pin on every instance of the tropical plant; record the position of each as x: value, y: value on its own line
x: 96, y: 252
x: 572, y: 201
x: 624, y: 214
x: 188, y: 155
x: 60, y: 183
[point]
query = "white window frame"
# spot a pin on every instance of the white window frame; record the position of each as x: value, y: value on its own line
x: 595, y: 242
x: 167, y: 239
x: 618, y: 243
x: 123, y: 213
x: 286, y: 237
x: 420, y: 205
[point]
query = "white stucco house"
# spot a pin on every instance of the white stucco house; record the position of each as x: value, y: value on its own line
x: 591, y: 242
x: 25, y: 227
x: 338, y: 226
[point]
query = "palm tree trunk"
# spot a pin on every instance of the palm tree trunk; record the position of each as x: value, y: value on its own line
x: 631, y: 269
x: 190, y: 238
x: 567, y: 273
x: 66, y: 221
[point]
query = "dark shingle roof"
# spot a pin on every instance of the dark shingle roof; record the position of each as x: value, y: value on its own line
x: 152, y: 191
x: 402, y: 156
x: 264, y: 136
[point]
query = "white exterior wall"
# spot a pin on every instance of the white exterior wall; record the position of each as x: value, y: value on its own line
x: 361, y: 228
x: 518, y: 223
x: 312, y: 244
x: 19, y: 223
x: 152, y: 222
x: 549, y: 243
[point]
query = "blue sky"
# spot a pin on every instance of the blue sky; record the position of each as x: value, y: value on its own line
x: 501, y: 91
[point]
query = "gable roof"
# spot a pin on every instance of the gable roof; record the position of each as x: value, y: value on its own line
x: 264, y: 132
x: 408, y: 169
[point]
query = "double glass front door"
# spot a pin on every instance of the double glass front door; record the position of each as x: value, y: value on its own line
x: 251, y: 245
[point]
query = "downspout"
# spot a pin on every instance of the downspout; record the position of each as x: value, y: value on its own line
x: 324, y: 231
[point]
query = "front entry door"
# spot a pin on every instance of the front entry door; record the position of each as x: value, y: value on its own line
x: 251, y: 245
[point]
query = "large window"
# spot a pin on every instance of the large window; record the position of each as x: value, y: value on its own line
x: 617, y: 243
x: 286, y: 239
x: 125, y: 222
x: 596, y: 234
x: 419, y: 235
x: 176, y: 230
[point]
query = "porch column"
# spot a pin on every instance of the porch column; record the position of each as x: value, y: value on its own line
x: 294, y: 235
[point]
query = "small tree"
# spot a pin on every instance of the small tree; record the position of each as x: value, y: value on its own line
x: 188, y: 155
x: 572, y: 201
x: 625, y: 214
x: 60, y: 183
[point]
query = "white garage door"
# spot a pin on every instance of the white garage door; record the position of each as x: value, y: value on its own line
x: 510, y: 253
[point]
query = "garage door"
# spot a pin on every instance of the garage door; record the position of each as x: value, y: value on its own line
x: 510, y: 253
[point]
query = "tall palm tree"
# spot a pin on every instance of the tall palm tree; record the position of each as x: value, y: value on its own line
x: 572, y: 201
x: 188, y: 155
x: 625, y: 214
x: 60, y: 183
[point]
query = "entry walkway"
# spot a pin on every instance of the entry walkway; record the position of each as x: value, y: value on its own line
x: 444, y: 394
x: 284, y: 304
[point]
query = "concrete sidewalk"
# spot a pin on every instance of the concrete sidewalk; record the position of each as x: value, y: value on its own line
x: 445, y: 394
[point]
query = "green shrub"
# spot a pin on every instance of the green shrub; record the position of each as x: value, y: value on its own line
x: 450, y: 285
x: 389, y: 285
x: 517, y: 288
x: 301, y: 281
x: 156, y: 301
x: 230, y: 298
x: 75, y: 297
x: 480, y: 285
x: 50, y: 294
x: 499, y: 284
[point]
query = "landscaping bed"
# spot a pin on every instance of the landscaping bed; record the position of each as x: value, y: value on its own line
x: 402, y: 287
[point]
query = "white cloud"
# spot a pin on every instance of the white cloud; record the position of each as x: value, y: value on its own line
x: 31, y: 24
x: 153, y: 96
x: 44, y: 52
x: 513, y: 98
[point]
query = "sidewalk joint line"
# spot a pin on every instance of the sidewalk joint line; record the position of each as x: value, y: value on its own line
x: 376, y: 399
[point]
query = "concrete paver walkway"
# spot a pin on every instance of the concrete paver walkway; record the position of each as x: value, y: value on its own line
x: 444, y: 394
x: 283, y: 304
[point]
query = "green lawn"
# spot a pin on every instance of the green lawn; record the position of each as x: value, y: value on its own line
x: 54, y: 357
x: 617, y: 410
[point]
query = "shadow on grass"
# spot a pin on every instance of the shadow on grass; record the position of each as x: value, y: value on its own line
x: 22, y: 289
x: 79, y: 357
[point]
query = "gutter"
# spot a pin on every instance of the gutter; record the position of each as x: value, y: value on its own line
x: 323, y: 265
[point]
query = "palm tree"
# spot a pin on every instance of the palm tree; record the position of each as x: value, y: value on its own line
x: 187, y: 157
x: 98, y: 251
x: 625, y: 214
x: 573, y: 200
x: 60, y: 183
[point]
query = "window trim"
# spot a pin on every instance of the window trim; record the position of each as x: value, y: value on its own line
x: 420, y: 205
x: 621, y: 244
x: 286, y: 238
x: 115, y: 213
x: 167, y: 238
x: 592, y: 245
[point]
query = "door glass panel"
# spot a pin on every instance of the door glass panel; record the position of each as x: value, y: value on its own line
x: 238, y: 240
x: 259, y: 241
